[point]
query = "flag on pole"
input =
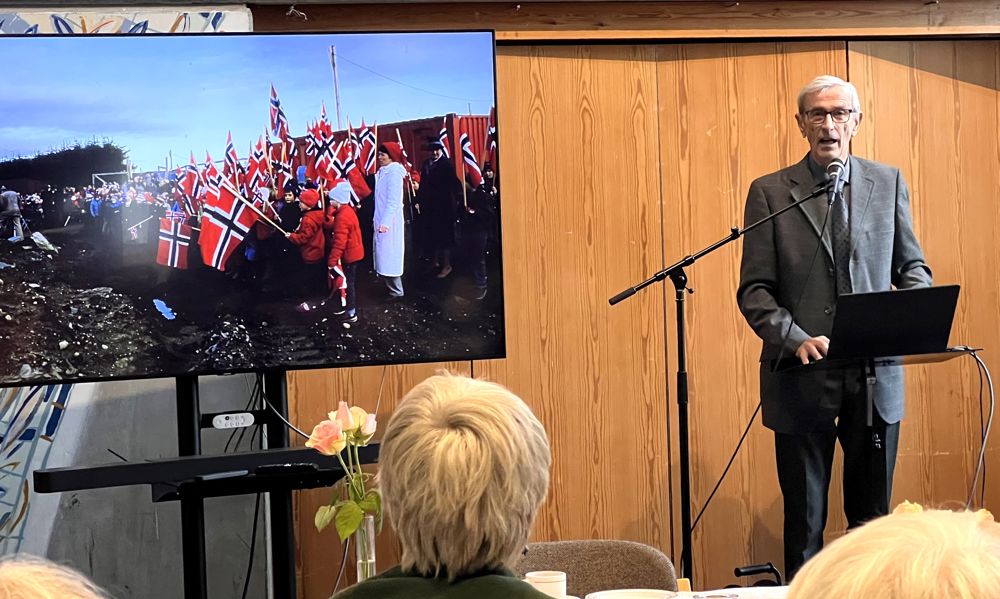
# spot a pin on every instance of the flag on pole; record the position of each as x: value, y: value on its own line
x: 191, y: 187
x: 225, y: 222
x: 279, y: 124
x: 443, y: 137
x: 175, y: 237
x: 490, y: 151
x: 472, y: 172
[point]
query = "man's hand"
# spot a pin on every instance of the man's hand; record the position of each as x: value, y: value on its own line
x: 383, y: 229
x: 814, y: 348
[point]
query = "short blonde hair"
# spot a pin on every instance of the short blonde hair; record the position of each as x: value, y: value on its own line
x: 826, y: 82
x: 908, y: 555
x: 464, y: 467
x: 29, y: 577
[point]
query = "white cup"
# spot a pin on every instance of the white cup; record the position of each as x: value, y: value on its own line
x: 550, y: 582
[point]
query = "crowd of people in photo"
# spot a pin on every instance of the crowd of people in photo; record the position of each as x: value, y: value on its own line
x: 19, y: 213
x: 313, y: 245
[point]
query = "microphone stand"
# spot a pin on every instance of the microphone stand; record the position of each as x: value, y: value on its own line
x: 676, y: 274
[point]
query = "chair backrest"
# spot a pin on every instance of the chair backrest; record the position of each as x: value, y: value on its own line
x: 601, y: 565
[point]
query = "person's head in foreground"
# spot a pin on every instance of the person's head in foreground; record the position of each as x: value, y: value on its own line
x: 463, y: 467
x: 910, y: 554
x: 29, y: 577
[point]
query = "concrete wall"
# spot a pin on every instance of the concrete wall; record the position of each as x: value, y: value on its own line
x: 117, y: 536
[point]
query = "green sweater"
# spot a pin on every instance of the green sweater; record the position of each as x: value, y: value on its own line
x: 489, y: 584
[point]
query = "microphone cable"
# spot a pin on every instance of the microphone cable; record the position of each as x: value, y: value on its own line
x: 776, y: 362
x: 985, y: 431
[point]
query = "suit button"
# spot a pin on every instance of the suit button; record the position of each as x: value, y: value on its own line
x: 830, y: 272
x: 828, y: 310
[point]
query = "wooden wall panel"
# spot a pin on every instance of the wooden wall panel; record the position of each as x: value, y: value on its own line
x: 931, y: 108
x: 581, y: 221
x: 727, y: 117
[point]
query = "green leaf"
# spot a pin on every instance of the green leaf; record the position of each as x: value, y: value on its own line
x: 348, y: 519
x: 324, y: 516
x: 372, y: 503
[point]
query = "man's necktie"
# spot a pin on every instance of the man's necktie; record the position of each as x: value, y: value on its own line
x: 840, y: 234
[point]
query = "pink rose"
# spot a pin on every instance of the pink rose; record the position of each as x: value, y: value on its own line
x: 328, y: 438
x: 344, y: 417
x: 369, y: 426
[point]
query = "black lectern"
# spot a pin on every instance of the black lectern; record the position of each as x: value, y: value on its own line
x: 888, y: 328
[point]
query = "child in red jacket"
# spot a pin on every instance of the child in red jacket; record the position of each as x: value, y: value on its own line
x: 309, y: 237
x: 346, y: 250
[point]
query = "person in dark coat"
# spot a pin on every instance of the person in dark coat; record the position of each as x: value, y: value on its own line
x: 479, y: 222
x: 439, y: 196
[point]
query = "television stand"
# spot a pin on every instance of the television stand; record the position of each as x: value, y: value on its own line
x: 192, y: 477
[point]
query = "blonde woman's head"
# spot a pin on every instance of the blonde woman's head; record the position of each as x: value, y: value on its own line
x: 910, y: 554
x: 29, y: 577
x: 464, y: 467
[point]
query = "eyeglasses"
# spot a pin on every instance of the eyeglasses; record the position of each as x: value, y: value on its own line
x: 817, y: 116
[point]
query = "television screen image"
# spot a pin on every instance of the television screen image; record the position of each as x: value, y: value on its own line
x: 177, y: 205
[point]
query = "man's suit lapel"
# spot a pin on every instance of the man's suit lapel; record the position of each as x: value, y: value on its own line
x: 814, y: 209
x: 862, y: 187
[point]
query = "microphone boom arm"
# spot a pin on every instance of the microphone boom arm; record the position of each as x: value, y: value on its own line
x: 735, y: 233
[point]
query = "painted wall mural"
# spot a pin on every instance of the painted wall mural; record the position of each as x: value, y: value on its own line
x: 110, y: 20
x: 29, y: 419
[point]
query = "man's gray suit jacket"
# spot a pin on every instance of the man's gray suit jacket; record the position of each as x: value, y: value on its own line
x: 786, y: 298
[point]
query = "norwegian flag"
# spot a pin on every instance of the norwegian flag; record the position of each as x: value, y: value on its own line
x: 257, y: 175
x: 175, y: 237
x: 472, y: 171
x: 490, y: 152
x: 279, y: 124
x: 318, y: 144
x: 210, y: 176
x: 344, y: 167
x: 225, y: 222
x: 190, y: 187
x: 326, y: 175
x: 443, y: 137
x: 281, y: 162
x: 369, y: 142
x: 232, y: 170
x: 352, y: 141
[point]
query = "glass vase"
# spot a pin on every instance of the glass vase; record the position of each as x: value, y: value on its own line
x: 364, y: 548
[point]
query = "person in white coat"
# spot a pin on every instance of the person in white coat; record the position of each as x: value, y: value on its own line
x: 388, y: 222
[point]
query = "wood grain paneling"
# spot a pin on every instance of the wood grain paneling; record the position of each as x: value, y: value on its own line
x: 931, y: 108
x: 650, y: 20
x: 581, y: 221
x: 727, y: 117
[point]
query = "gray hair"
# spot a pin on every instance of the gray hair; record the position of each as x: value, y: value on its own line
x: 825, y: 82
x: 464, y: 467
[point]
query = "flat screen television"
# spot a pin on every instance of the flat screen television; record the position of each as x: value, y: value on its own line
x: 202, y: 204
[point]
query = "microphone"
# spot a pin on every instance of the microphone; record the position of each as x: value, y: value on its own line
x: 836, y: 177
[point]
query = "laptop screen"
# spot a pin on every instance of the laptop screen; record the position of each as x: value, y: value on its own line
x: 893, y: 323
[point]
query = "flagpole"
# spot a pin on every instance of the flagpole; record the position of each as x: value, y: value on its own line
x: 409, y: 190
x: 140, y: 223
x: 374, y: 151
x: 461, y: 149
x: 250, y: 205
x: 336, y: 83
